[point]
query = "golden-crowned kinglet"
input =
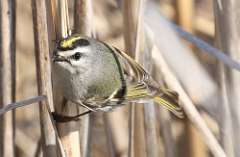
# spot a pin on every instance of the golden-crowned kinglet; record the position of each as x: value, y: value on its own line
x: 95, y: 75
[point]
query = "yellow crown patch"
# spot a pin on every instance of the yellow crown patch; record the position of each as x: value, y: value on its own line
x: 69, y: 42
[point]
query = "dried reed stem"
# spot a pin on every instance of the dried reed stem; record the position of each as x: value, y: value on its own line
x: 44, y: 78
x: 166, y: 132
x: 151, y: 130
x: 136, y: 117
x: 201, y: 92
x: 68, y: 132
x: 119, y: 131
x: 24, y: 146
x: 189, y: 108
x: 22, y: 103
x: 110, y: 144
x: 151, y: 123
x: 130, y: 26
x: 150, y: 127
x: 185, y: 20
x: 163, y: 116
x: 64, y: 18
x: 83, y: 17
x: 143, y: 56
x: 199, y: 22
x: 7, y: 145
x: 54, y: 21
x: 227, y: 38
x: 83, y: 25
x: 185, y: 16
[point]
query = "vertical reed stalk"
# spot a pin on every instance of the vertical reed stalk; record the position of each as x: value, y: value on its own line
x: 119, y: 130
x: 188, y: 106
x: 162, y: 115
x: 83, y: 25
x: 185, y: 12
x: 185, y: 19
x: 64, y: 18
x: 69, y: 132
x: 110, y: 144
x: 227, y: 38
x: 130, y: 26
x: 44, y: 76
x: 166, y: 132
x: 143, y: 55
x: 83, y: 17
x: 7, y: 61
x: 131, y: 38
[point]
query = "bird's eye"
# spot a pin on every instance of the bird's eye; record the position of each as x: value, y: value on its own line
x: 77, y: 56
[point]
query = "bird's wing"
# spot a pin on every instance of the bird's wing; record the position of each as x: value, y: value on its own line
x: 143, y: 86
x: 139, y: 74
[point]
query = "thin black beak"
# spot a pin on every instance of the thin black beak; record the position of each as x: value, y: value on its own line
x: 58, y: 58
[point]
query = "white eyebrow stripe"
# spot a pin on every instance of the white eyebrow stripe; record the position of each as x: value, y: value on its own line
x: 72, y: 52
x: 66, y: 53
x: 82, y: 49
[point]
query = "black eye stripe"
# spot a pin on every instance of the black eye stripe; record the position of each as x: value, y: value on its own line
x: 76, y: 56
x: 82, y: 42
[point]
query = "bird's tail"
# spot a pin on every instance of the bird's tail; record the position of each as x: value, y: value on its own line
x: 169, y: 100
x: 164, y: 97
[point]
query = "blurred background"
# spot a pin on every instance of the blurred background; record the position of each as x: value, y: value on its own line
x: 198, y: 72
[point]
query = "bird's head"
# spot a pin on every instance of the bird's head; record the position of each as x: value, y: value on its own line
x: 74, y: 54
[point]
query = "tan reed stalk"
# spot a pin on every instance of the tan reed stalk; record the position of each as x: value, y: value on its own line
x: 143, y: 55
x: 68, y: 132
x: 185, y: 20
x: 227, y: 39
x: 162, y: 116
x: 43, y: 75
x: 83, y: 25
x: 7, y: 60
x: 83, y: 17
x: 50, y: 139
x: 188, y: 106
x: 136, y: 117
x: 185, y: 16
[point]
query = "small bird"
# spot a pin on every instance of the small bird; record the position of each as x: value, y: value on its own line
x: 96, y: 76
